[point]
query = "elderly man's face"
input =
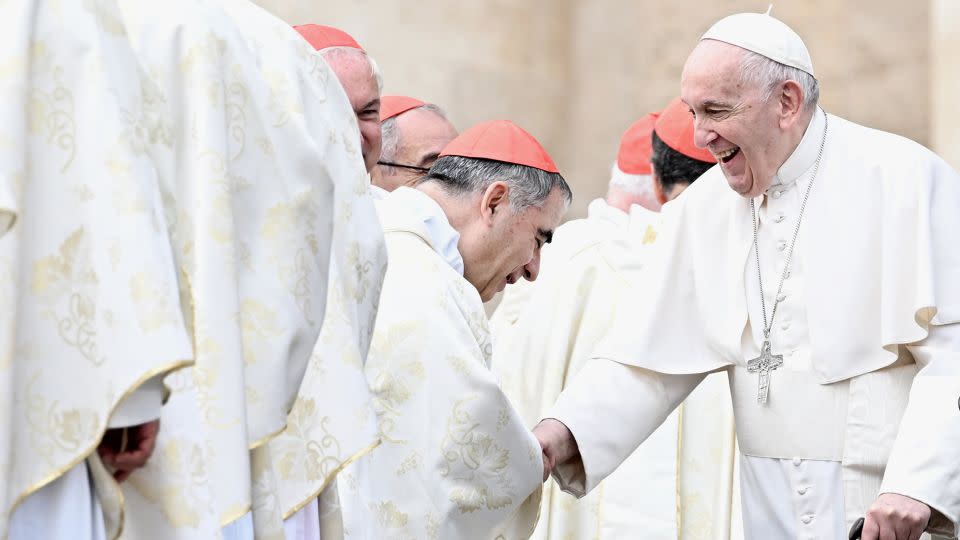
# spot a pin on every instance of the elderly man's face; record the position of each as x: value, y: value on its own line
x: 731, y: 120
x: 506, y: 247
x: 422, y: 135
x: 360, y: 84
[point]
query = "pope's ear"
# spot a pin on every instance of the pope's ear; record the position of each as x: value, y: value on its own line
x: 791, y: 102
x: 495, y: 199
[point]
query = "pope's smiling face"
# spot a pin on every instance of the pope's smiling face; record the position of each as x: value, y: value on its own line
x: 750, y: 137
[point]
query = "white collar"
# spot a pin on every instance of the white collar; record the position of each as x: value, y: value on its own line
x: 408, y: 205
x: 378, y: 193
x: 805, y: 155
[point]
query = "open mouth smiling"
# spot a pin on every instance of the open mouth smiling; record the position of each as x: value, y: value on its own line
x: 726, y: 155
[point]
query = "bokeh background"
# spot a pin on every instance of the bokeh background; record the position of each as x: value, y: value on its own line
x: 576, y: 73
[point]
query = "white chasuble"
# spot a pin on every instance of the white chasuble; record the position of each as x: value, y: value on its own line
x: 686, y: 467
x: 332, y: 422
x: 258, y: 151
x: 865, y: 401
x: 88, y: 282
x: 456, y: 461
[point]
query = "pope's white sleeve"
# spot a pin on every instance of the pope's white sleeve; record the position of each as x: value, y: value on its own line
x: 611, y: 408
x: 924, y: 463
x: 142, y: 405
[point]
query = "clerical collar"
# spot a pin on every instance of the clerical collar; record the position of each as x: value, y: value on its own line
x: 443, y: 238
x: 599, y: 209
x: 804, y: 156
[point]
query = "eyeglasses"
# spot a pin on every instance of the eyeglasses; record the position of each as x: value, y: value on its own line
x: 415, y: 168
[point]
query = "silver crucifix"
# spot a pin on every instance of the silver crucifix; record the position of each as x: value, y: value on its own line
x: 764, y: 364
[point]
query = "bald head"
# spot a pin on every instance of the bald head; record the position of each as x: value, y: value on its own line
x: 361, y: 81
x: 411, y: 143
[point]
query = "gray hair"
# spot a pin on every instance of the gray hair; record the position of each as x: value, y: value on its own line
x: 331, y: 53
x: 391, y: 134
x: 767, y: 74
x: 529, y: 186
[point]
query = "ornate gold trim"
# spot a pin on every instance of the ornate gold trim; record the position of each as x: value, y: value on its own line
x: 33, y: 488
x: 343, y: 465
x: 267, y: 438
x: 679, y: 460
x: 246, y: 509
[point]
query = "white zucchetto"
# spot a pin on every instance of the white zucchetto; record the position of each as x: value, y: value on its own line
x: 764, y: 35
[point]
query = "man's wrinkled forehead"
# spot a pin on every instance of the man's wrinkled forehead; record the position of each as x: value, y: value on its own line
x: 711, y: 72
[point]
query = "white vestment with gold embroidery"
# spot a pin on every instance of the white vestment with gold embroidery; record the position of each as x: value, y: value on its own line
x: 259, y: 159
x: 91, y: 319
x: 866, y: 400
x: 456, y: 461
x: 686, y: 467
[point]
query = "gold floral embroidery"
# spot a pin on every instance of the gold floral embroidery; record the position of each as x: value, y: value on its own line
x: 236, y: 110
x: 322, y: 450
x: 361, y: 269
x: 172, y: 480
x: 476, y: 462
x: 154, y: 309
x: 409, y: 463
x: 56, y: 428
x: 64, y: 282
x: 650, y: 235
x: 502, y: 419
x: 388, y: 515
x: 288, y: 220
x: 393, y: 388
x: 258, y: 325
x: 52, y: 114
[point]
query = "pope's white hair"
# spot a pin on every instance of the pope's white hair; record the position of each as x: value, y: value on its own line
x: 634, y: 184
x: 759, y: 71
x: 331, y: 53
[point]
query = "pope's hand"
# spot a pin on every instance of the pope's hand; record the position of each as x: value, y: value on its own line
x: 127, y: 449
x: 895, y: 517
x: 557, y: 443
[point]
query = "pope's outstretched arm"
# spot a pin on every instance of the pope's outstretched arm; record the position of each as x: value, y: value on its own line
x: 600, y: 419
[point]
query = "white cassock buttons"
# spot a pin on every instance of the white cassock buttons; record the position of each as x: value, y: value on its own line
x: 779, y: 218
x: 776, y: 194
x: 781, y: 246
x: 807, y: 519
x: 785, y: 326
x: 803, y: 490
x: 782, y: 297
x: 797, y: 461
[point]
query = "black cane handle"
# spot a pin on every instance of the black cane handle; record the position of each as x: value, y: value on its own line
x: 857, y: 529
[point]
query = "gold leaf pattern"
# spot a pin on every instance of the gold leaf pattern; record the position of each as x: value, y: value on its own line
x: 153, y: 307
x: 387, y: 514
x: 477, y: 463
x: 52, y: 114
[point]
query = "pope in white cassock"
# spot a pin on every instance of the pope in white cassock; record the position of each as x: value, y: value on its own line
x: 824, y: 284
x: 687, y: 465
x: 456, y: 461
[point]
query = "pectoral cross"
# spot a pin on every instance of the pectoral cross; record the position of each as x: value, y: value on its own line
x: 764, y: 364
